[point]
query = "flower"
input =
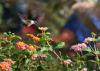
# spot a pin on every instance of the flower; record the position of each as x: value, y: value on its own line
x: 9, y: 61
x: 34, y: 56
x: 78, y: 47
x: 37, y: 39
x: 89, y: 39
x: 68, y: 61
x: 43, y: 28
x: 21, y: 45
x: 84, y: 69
x: 31, y: 48
x: 4, y: 66
x: 3, y: 38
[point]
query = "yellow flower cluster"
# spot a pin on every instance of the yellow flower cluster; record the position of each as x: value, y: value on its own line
x: 89, y: 39
x: 31, y: 48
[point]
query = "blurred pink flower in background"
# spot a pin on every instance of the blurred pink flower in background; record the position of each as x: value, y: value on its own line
x: 79, y: 47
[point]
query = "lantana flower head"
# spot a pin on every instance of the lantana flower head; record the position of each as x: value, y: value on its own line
x: 31, y: 48
x: 68, y: 61
x: 79, y: 47
x: 35, y: 38
x: 9, y: 61
x: 21, y: 45
x: 6, y: 64
x: 34, y: 56
x: 88, y: 40
x: 43, y: 28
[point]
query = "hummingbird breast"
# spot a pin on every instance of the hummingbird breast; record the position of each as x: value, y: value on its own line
x: 26, y: 29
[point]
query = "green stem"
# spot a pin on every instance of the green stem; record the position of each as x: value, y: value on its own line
x: 97, y: 58
x: 50, y: 47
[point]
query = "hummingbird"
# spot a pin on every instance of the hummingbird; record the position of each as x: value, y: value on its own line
x: 28, y: 22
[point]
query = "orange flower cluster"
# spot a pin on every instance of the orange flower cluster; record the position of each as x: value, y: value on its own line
x: 23, y: 46
x: 5, y: 65
x: 37, y: 39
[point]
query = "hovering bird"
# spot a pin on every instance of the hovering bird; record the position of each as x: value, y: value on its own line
x: 30, y: 25
x: 28, y: 22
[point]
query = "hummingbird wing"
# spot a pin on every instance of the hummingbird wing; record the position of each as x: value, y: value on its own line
x: 22, y: 18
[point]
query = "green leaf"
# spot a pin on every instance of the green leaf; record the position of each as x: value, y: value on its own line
x: 44, y: 49
x: 27, y: 61
x: 2, y: 56
x: 98, y: 39
x: 93, y: 61
x: 93, y: 33
x: 60, y: 45
x: 47, y: 33
x: 87, y: 49
x: 97, y: 52
x: 42, y: 40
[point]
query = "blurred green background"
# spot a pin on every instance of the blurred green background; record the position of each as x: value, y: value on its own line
x: 55, y: 12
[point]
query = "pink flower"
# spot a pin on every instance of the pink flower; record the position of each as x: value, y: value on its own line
x: 21, y: 45
x: 78, y: 47
x: 5, y: 66
x: 8, y: 67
